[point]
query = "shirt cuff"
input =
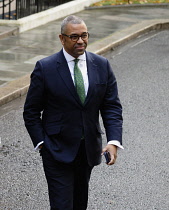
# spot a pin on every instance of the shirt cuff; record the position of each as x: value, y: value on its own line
x: 37, y: 146
x: 116, y: 143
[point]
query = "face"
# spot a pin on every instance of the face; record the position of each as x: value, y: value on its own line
x: 74, y: 48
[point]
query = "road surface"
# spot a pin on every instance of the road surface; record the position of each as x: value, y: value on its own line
x: 140, y: 178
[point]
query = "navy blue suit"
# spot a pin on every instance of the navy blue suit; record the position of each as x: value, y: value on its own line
x: 65, y: 120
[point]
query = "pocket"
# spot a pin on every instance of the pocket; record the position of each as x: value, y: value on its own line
x: 52, y: 129
x: 53, y: 118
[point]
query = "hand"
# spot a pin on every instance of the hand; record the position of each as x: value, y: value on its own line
x: 40, y: 146
x: 112, y: 149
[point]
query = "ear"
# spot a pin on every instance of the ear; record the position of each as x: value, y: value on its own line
x: 61, y: 39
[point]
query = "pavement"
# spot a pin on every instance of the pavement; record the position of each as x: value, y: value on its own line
x: 140, y: 178
x: 109, y: 27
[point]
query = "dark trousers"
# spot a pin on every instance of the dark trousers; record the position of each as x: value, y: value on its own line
x: 67, y: 183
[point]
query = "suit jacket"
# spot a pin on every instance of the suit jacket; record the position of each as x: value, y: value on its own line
x: 53, y: 112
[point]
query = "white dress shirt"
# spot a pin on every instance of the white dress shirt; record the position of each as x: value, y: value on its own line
x: 83, y: 68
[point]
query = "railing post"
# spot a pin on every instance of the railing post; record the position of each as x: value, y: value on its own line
x: 9, y: 10
x: 16, y: 9
x: 3, y: 10
x: 37, y: 1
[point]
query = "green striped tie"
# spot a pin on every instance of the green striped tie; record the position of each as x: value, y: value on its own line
x: 79, y: 83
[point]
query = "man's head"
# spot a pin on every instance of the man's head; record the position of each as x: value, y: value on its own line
x: 74, y: 35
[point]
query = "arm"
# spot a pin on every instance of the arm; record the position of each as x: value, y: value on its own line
x: 111, y: 112
x: 34, y: 105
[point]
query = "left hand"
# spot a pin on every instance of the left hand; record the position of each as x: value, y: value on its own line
x: 112, y: 149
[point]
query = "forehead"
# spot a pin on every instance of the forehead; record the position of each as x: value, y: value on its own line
x: 75, y: 28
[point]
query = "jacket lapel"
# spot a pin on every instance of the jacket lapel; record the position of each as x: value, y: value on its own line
x: 64, y: 72
x: 92, y: 72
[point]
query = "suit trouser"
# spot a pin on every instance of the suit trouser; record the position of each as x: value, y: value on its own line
x: 67, y: 183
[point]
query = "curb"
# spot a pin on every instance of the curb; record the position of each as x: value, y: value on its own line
x: 10, y: 32
x: 118, y: 38
x: 127, y: 6
x: 19, y: 87
x: 14, y: 89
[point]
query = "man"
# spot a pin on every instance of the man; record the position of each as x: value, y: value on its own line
x: 61, y: 113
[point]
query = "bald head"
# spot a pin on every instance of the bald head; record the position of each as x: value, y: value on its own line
x: 72, y: 19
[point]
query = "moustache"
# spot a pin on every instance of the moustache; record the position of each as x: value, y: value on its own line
x: 80, y: 44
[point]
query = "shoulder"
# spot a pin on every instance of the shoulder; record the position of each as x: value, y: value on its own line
x: 100, y: 62
x: 50, y: 62
x: 97, y: 59
x: 94, y: 57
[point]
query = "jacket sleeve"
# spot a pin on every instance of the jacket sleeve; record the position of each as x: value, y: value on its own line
x: 34, y: 105
x: 111, y: 109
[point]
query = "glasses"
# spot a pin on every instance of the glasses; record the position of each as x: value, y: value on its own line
x: 76, y: 37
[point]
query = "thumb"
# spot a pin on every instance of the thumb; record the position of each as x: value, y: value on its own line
x: 104, y: 150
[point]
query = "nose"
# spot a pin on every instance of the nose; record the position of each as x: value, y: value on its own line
x: 80, y: 40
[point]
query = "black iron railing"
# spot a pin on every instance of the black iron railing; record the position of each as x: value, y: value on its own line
x: 15, y: 9
x: 5, y: 9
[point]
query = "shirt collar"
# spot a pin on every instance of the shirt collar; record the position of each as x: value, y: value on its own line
x: 70, y: 58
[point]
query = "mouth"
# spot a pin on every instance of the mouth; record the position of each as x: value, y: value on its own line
x: 80, y: 47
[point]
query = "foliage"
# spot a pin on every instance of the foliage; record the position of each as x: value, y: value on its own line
x: 120, y: 2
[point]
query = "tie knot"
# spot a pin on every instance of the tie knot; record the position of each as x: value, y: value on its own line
x: 76, y: 60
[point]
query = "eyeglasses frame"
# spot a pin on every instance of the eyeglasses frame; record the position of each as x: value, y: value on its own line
x: 71, y: 36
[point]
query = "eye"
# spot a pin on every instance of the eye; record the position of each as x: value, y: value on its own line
x: 74, y: 36
x: 84, y: 35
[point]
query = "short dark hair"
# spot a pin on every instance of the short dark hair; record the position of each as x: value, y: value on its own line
x: 70, y: 19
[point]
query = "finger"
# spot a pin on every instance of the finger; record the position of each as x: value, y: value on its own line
x: 104, y: 150
x: 113, y: 160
